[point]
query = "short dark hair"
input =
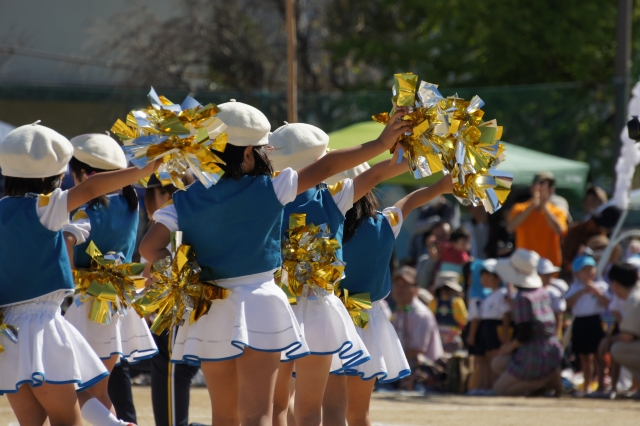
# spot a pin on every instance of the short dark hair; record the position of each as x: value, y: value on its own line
x: 233, y: 157
x: 460, y: 234
x: 624, y: 274
x: 19, y: 187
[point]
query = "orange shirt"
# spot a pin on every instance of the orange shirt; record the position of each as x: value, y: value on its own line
x: 536, y: 234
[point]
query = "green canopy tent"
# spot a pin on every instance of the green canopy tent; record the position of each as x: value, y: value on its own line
x: 522, y: 162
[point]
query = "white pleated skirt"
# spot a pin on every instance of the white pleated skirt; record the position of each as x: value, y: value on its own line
x: 127, y: 335
x: 329, y: 329
x: 256, y: 315
x: 49, y: 349
x: 388, y: 362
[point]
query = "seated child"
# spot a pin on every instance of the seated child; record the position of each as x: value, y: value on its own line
x: 587, y: 300
x: 449, y: 309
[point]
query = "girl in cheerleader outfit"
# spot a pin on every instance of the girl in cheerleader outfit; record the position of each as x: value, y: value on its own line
x: 234, y: 227
x: 368, y: 246
x: 111, y: 223
x: 41, y: 372
x: 326, y: 323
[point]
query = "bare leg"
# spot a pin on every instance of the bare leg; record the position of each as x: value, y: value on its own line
x: 599, y: 367
x: 334, y: 402
x: 507, y: 385
x: 491, y: 376
x: 282, y: 394
x: 101, y: 389
x: 291, y: 420
x: 58, y: 402
x: 222, y: 383
x: 257, y: 373
x: 312, y: 373
x: 586, y: 363
x: 359, y: 397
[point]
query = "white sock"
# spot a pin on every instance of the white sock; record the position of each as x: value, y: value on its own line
x: 98, y: 415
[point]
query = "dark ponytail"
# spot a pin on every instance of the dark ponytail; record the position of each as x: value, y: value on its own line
x: 364, y: 208
x: 233, y: 157
x: 77, y: 167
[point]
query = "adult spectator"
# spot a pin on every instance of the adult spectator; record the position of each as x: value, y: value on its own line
x: 478, y: 227
x: 414, y: 323
x: 601, y: 223
x: 501, y: 241
x: 625, y: 346
x: 594, y: 198
x: 438, y: 210
x: 439, y: 233
x: 531, y: 361
x: 538, y: 224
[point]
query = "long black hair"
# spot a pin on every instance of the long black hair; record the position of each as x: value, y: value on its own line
x: 364, y: 208
x: 77, y: 167
x: 233, y: 156
x: 19, y: 187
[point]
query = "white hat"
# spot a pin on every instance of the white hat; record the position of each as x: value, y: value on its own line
x: 546, y: 267
x: 348, y: 174
x: 246, y: 125
x: 449, y: 279
x: 99, y: 151
x: 520, y: 269
x: 297, y: 145
x: 34, y: 151
x: 489, y: 265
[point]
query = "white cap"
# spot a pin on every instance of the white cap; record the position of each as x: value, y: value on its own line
x: 34, y: 151
x: 545, y: 266
x: 489, y: 265
x: 348, y: 174
x: 520, y: 269
x: 99, y: 151
x: 246, y: 125
x: 297, y: 145
x: 449, y: 279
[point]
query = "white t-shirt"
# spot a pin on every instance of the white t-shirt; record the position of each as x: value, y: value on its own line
x: 473, y: 310
x: 52, y: 210
x: 342, y: 194
x: 560, y: 285
x: 394, y: 216
x: 587, y: 305
x: 617, y: 304
x: 495, y: 305
x: 558, y: 303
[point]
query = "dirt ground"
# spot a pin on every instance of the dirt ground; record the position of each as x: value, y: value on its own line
x: 406, y: 410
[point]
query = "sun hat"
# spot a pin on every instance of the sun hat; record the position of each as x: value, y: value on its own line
x: 598, y: 242
x: 489, y: 265
x: 545, y: 266
x: 246, y: 125
x: 520, y: 269
x: 545, y: 176
x: 408, y: 273
x: 348, y: 174
x: 297, y: 145
x: 582, y: 261
x: 99, y: 151
x: 34, y: 151
x: 449, y: 279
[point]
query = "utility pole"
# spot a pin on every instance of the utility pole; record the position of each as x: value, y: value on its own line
x: 623, y: 58
x: 292, y: 63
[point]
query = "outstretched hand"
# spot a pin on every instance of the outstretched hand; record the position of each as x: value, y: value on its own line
x: 395, y: 128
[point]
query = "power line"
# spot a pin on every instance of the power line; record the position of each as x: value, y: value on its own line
x: 21, y: 51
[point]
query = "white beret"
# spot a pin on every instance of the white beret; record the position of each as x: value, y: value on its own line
x: 348, y: 174
x: 34, y: 151
x: 246, y: 125
x: 297, y: 145
x: 99, y: 151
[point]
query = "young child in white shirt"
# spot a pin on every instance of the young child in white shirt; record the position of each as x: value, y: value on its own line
x: 587, y: 300
x: 547, y: 271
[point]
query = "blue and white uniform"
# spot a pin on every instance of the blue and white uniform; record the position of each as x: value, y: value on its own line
x: 367, y: 255
x: 234, y: 229
x: 325, y: 321
x: 34, y: 279
x: 111, y: 229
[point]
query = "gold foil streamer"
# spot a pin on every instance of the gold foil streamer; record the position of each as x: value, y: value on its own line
x: 177, y: 292
x: 356, y: 306
x: 184, y: 136
x: 309, y: 257
x: 110, y: 286
x: 7, y: 330
x: 449, y: 135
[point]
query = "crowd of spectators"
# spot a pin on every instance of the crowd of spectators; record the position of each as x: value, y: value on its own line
x: 517, y: 295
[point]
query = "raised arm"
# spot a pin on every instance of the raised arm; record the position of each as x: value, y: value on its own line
x: 342, y: 159
x: 379, y: 173
x: 424, y: 195
x: 103, y: 183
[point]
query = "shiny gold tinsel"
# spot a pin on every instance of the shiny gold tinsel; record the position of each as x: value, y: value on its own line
x: 177, y: 293
x: 309, y: 257
x: 110, y: 286
x: 356, y: 306
x: 184, y: 136
x: 449, y: 135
